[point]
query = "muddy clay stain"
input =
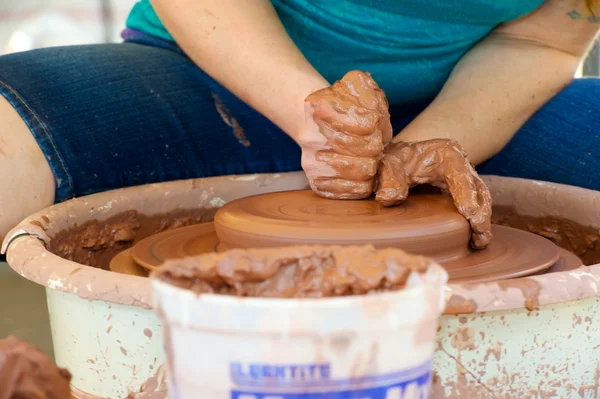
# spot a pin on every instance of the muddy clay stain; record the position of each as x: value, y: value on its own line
x: 230, y: 121
x: 496, y: 351
x: 463, y: 338
x: 458, y: 304
x: 528, y: 287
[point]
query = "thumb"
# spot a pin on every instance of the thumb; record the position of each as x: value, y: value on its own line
x: 392, y: 185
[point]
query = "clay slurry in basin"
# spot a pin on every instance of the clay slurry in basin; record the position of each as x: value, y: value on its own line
x: 291, y: 272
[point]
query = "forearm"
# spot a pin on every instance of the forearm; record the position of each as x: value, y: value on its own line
x: 243, y: 45
x: 491, y: 93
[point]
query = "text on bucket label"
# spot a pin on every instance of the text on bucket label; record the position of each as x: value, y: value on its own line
x: 313, y: 381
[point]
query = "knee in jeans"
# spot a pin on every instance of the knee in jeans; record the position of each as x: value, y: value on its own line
x: 582, y: 88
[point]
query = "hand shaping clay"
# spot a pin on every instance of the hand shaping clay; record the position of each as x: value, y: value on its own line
x: 292, y: 272
x: 426, y: 224
x: 348, y: 126
x: 441, y: 163
x: 26, y: 373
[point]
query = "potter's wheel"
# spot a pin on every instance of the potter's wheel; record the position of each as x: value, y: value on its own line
x: 427, y: 224
x: 174, y: 244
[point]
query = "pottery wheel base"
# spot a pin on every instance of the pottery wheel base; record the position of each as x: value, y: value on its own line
x: 513, y: 253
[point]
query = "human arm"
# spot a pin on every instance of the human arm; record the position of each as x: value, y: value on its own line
x: 491, y: 93
x: 506, y: 78
x: 243, y: 45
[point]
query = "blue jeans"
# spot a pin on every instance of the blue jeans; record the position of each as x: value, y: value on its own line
x: 111, y: 116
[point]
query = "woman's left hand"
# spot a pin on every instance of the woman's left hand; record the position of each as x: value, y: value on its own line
x: 441, y: 163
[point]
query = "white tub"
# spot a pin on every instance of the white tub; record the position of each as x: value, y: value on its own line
x: 494, y: 348
x: 259, y: 348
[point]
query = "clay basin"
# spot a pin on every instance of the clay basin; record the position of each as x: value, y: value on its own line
x: 530, y: 337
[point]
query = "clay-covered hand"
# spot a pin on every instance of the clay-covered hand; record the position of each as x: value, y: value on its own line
x: 441, y: 163
x: 347, y: 127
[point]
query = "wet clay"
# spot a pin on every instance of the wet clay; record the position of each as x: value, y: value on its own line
x: 293, y: 272
x: 583, y: 241
x: 153, y: 251
x: 26, y: 372
x: 443, y: 164
x: 154, y: 388
x: 426, y: 224
x: 513, y: 253
x: 86, y: 246
x: 95, y: 242
x: 505, y: 258
x: 123, y: 263
x: 528, y: 287
x: 348, y: 125
x: 459, y: 305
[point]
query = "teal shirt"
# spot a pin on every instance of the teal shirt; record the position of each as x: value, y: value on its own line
x: 409, y: 46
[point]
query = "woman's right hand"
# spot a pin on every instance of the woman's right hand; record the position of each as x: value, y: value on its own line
x: 347, y: 126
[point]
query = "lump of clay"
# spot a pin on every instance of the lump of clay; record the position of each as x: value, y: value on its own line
x: 348, y: 126
x: 26, y: 373
x: 289, y: 272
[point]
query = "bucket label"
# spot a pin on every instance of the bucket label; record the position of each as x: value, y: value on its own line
x: 313, y: 381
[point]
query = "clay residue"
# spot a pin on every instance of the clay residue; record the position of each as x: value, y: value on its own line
x: 303, y: 271
x: 25, y: 372
x: 496, y: 351
x: 458, y: 305
x: 463, y: 338
x: 583, y: 241
x: 154, y: 388
x: 230, y: 121
x: 348, y: 125
x: 96, y: 242
x: 443, y: 164
x: 528, y: 287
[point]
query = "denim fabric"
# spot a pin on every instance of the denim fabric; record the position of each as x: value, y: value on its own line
x: 111, y: 116
x: 560, y: 143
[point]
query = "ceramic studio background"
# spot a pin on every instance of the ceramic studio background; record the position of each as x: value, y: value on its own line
x: 25, y: 25
x: 28, y: 24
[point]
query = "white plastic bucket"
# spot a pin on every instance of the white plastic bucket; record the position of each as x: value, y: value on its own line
x: 377, y: 346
